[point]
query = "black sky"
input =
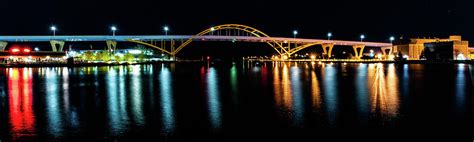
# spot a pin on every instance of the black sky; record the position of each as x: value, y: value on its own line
x: 345, y: 18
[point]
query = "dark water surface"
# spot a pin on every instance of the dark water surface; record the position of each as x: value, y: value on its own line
x: 235, y: 101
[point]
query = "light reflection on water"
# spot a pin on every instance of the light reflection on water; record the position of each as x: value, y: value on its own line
x: 58, y: 102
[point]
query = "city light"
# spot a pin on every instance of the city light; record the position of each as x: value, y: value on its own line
x: 295, y: 32
x: 213, y: 29
x: 285, y: 57
x: 379, y: 56
x: 15, y: 50
x: 26, y: 50
x: 36, y: 49
x: 329, y: 35
x: 134, y: 51
x: 313, y: 57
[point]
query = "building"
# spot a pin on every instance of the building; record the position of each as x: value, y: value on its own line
x: 414, y: 49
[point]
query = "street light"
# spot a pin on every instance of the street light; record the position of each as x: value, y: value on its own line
x: 295, y: 32
x: 329, y: 35
x: 362, y: 37
x: 166, y: 29
x: 53, y: 28
x: 392, y: 39
x: 113, y: 28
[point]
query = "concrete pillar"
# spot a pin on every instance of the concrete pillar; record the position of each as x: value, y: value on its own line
x: 111, y: 45
x: 57, y: 45
x: 358, y: 53
x: 384, y: 52
x: 3, y: 45
x: 327, y: 49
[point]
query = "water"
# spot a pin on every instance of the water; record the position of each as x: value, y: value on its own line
x: 194, y: 101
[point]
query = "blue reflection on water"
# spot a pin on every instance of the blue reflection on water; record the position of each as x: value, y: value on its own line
x: 137, y: 96
x: 167, y: 99
x: 330, y: 91
x: 55, y: 121
x: 362, y: 91
x: 460, y: 88
x: 213, y: 98
x: 296, y: 86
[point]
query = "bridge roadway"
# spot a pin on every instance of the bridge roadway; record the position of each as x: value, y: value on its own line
x: 73, y: 38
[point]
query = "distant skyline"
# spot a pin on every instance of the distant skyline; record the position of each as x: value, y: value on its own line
x: 345, y: 19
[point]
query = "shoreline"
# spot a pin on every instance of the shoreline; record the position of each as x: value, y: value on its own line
x: 194, y: 61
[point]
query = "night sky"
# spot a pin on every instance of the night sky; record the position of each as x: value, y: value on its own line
x: 313, y: 19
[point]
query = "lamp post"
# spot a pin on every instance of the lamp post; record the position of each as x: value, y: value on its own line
x: 362, y: 37
x: 53, y: 28
x: 166, y: 29
x: 329, y: 35
x: 295, y: 32
x: 113, y: 28
x: 392, y: 39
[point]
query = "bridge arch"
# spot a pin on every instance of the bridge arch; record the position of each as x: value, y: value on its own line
x: 277, y: 46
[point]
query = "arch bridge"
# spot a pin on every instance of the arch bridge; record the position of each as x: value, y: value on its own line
x: 173, y: 44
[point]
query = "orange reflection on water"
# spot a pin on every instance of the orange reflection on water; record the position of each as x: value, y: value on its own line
x: 383, y: 90
x: 315, y: 90
x: 282, y: 88
x: 20, y: 100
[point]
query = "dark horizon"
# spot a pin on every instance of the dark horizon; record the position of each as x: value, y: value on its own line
x: 378, y: 20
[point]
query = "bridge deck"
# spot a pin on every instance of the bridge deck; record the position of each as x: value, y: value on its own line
x: 185, y: 37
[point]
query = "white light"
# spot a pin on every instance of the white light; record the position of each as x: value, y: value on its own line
x: 166, y: 28
x: 295, y: 32
x: 362, y: 36
x: 53, y: 28
x: 405, y: 56
x: 113, y: 28
x: 213, y: 29
x: 134, y: 51
x: 392, y: 38
x: 329, y: 34
x: 36, y: 49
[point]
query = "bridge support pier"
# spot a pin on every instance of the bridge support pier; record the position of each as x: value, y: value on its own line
x: 384, y: 51
x: 3, y: 45
x: 327, y: 49
x: 57, y: 45
x: 111, y: 45
x: 358, y: 49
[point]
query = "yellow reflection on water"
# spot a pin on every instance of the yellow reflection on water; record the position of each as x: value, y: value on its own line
x: 383, y: 90
x: 315, y: 90
x: 282, y: 89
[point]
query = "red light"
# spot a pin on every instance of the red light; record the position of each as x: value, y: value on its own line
x: 15, y: 50
x: 26, y: 50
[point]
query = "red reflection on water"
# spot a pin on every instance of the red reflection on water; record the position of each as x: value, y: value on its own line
x: 20, y: 96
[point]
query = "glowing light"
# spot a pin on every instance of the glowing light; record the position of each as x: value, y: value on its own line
x: 405, y: 56
x: 213, y: 29
x: 26, y: 50
x: 166, y: 28
x: 313, y: 57
x: 134, y: 51
x: 15, y: 50
x: 36, y: 49
x: 379, y: 56
x: 392, y: 38
x: 53, y: 28
x: 113, y: 28
x: 285, y: 57
x: 295, y: 32
x: 47, y: 57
